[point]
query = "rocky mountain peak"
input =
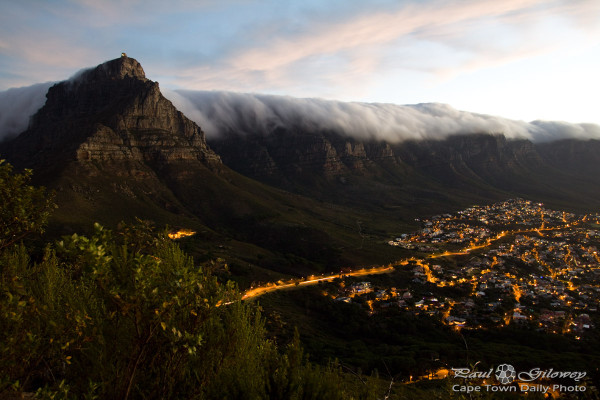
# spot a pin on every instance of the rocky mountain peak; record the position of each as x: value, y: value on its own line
x: 110, y: 113
x: 118, y: 68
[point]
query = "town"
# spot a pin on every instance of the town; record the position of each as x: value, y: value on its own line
x: 513, y: 262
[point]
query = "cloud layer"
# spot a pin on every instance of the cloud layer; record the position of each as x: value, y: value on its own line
x: 519, y: 58
x: 222, y: 112
x: 18, y: 105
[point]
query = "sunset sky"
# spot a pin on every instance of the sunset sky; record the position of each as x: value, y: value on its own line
x: 520, y: 59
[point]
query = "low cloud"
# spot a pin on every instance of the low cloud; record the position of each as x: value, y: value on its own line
x: 224, y: 112
x: 18, y: 105
x: 220, y: 113
x: 556, y: 130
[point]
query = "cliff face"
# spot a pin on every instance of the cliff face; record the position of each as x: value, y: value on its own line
x: 288, y: 154
x: 421, y: 173
x: 111, y: 113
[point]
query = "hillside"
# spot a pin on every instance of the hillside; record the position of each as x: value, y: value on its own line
x: 417, y: 177
x: 289, y: 198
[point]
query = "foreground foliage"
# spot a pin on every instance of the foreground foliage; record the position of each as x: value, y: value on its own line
x: 112, y: 317
x: 128, y: 315
x: 24, y: 209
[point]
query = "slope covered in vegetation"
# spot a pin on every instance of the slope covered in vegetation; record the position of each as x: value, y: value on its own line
x: 127, y: 314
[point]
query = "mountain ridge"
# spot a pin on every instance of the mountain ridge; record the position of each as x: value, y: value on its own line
x: 366, y: 173
x: 113, y: 148
x: 301, y: 198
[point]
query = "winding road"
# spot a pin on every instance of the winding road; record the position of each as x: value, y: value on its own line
x: 312, y: 280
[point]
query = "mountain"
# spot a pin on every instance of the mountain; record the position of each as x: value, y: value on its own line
x: 110, y: 113
x: 408, y: 160
x: 416, y: 176
x: 114, y: 148
x: 277, y: 192
x: 108, y: 136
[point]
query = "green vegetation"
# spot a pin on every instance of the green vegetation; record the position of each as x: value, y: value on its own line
x: 127, y: 314
x: 24, y: 209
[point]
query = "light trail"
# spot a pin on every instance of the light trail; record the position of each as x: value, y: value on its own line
x: 490, y: 241
x: 181, y: 233
x: 296, y: 283
x: 517, y: 292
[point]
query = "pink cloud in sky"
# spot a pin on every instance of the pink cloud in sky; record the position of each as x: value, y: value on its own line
x: 365, y: 51
x: 370, y: 44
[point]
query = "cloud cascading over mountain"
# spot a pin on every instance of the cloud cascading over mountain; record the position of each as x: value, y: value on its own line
x: 220, y: 112
x: 18, y: 105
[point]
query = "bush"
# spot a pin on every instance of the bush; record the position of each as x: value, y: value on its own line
x: 24, y: 209
x: 103, y: 317
x: 128, y: 315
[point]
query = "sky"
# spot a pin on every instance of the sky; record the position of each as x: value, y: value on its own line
x: 520, y: 59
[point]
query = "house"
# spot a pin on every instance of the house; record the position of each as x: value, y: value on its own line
x: 518, y: 317
x: 456, y: 321
x: 361, y: 287
x: 344, y: 299
x: 381, y: 295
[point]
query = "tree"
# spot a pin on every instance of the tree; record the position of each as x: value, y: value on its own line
x: 24, y: 209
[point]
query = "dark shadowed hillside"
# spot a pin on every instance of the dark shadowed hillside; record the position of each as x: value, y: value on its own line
x: 421, y: 176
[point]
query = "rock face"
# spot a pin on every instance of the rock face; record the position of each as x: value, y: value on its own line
x: 287, y: 155
x: 471, y: 168
x: 290, y: 154
x: 111, y: 113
